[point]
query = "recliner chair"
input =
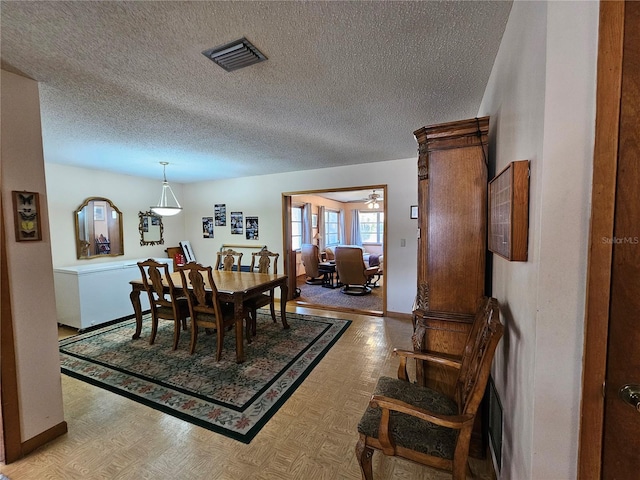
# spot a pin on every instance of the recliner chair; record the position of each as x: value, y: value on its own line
x: 311, y: 262
x: 352, y: 272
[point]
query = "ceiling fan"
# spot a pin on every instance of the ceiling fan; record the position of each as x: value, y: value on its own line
x: 372, y: 200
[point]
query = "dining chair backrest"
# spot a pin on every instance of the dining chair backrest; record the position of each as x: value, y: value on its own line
x: 263, y: 261
x: 153, y: 274
x: 164, y: 299
x: 204, y: 305
x: 201, y: 291
x: 227, y: 259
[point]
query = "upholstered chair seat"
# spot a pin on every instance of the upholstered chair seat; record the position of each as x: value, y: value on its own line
x: 408, y: 431
x: 428, y: 426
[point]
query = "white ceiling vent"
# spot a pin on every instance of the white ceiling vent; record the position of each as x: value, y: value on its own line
x: 234, y: 55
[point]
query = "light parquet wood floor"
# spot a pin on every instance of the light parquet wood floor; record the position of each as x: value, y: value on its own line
x: 311, y: 437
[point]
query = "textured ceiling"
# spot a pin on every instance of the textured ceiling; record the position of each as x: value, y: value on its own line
x: 124, y: 85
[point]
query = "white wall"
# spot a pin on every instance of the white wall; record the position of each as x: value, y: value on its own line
x: 29, y: 263
x: 261, y: 196
x: 68, y: 187
x: 541, y: 99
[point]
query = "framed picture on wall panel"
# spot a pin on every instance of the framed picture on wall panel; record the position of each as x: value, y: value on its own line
x: 207, y: 227
x: 252, y: 228
x: 236, y: 223
x: 26, y: 212
x: 220, y: 213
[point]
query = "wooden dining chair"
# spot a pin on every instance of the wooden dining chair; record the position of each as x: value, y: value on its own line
x: 422, y: 424
x: 204, y: 307
x: 227, y: 259
x: 263, y: 261
x: 164, y: 305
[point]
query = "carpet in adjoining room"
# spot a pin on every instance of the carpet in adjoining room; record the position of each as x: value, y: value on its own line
x: 235, y: 400
x: 333, y: 297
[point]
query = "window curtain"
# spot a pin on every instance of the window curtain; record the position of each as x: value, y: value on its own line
x: 356, y: 239
x: 341, y: 231
x: 321, y: 228
x: 307, y: 236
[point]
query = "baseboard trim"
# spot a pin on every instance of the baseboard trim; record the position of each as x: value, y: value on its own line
x: 400, y: 316
x: 44, y: 437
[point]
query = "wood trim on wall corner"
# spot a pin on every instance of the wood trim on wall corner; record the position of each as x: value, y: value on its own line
x: 10, y: 428
x: 44, y: 437
x: 608, y: 94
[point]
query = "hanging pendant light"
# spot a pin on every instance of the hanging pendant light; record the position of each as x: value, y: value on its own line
x: 165, y: 206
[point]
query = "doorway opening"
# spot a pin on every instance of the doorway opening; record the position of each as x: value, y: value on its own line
x: 328, y: 218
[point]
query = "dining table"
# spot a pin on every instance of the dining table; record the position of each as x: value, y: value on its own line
x: 233, y: 287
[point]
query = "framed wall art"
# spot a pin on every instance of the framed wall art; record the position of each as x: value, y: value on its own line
x: 414, y: 211
x: 252, y: 228
x: 26, y: 206
x: 236, y: 223
x: 509, y: 212
x: 220, y: 213
x: 207, y: 227
x: 98, y: 213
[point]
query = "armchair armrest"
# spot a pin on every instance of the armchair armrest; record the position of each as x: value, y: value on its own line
x: 391, y: 404
x: 433, y: 357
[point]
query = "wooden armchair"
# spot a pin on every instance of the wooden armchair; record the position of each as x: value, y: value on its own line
x: 204, y: 307
x: 164, y: 305
x: 227, y: 259
x: 422, y: 424
x: 262, y: 260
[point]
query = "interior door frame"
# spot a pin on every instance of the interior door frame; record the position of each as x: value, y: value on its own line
x: 289, y: 258
x: 11, y: 442
x: 599, y: 269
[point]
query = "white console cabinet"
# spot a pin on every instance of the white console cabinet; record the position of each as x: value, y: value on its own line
x: 88, y: 295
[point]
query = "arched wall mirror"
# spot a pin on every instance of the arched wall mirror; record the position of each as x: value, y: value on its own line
x: 151, y: 229
x: 98, y: 229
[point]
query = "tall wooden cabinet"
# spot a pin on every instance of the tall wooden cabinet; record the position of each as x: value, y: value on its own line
x: 452, y: 242
x: 452, y: 213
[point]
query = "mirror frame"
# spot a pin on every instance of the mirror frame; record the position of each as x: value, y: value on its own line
x: 143, y: 242
x: 77, y: 225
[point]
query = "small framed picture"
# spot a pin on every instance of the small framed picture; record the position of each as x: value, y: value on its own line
x: 207, y: 227
x: 98, y: 213
x: 414, y: 211
x: 236, y: 223
x: 220, y: 210
x: 314, y: 220
x: 26, y: 207
x: 252, y: 228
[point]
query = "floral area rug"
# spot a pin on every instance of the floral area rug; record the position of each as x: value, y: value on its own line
x: 235, y: 400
